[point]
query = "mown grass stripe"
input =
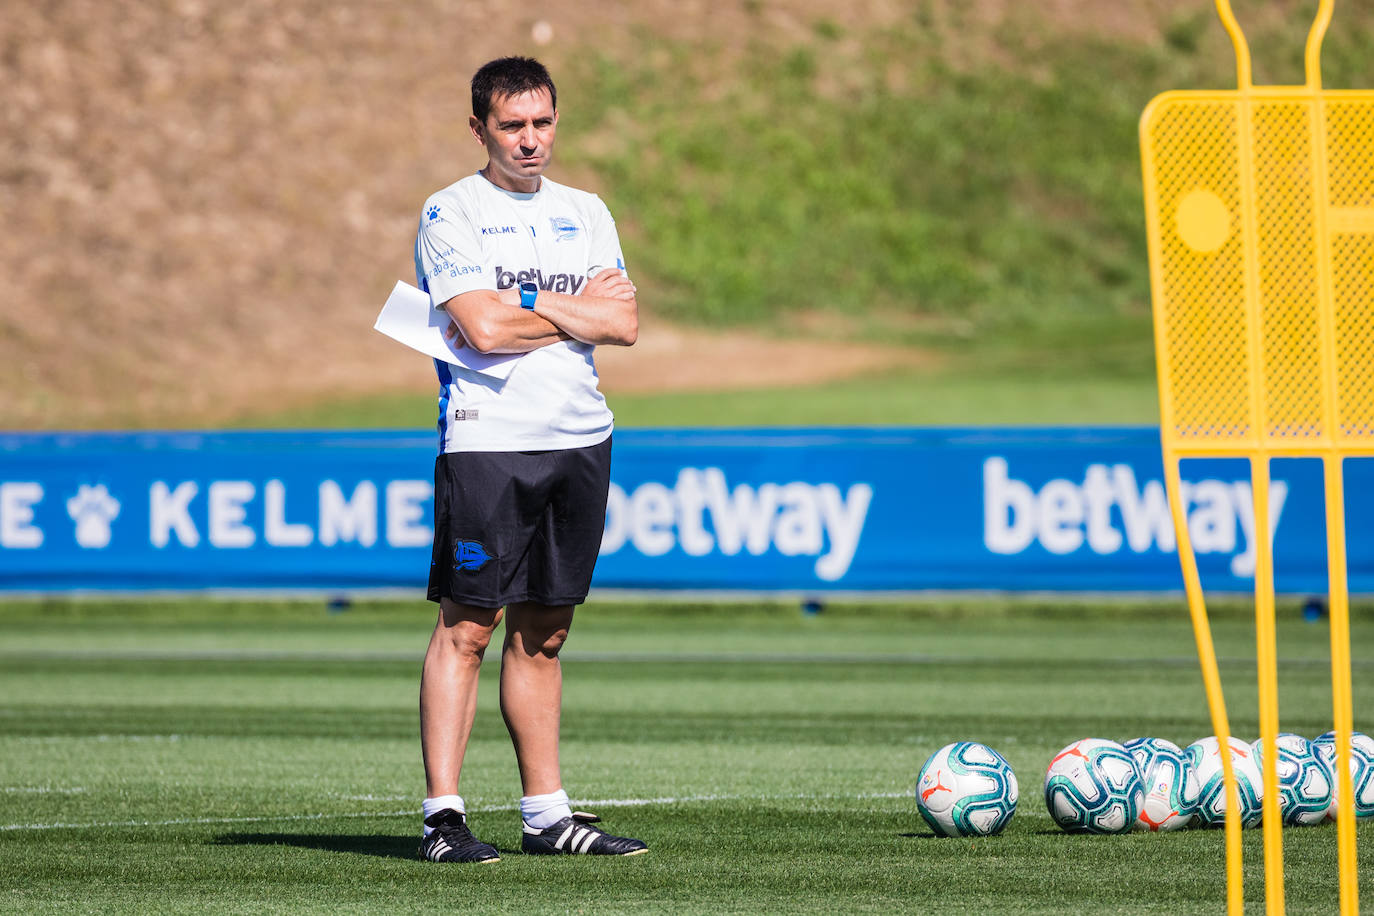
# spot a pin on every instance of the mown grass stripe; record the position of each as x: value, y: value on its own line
x: 746, y: 658
x: 473, y: 809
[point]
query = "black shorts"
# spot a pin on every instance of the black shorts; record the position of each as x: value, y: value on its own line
x: 518, y: 526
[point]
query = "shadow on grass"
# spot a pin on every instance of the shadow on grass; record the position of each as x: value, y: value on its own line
x: 383, y: 847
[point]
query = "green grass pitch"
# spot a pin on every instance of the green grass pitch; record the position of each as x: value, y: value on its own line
x: 224, y: 756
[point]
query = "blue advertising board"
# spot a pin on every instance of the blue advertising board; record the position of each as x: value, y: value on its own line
x: 795, y: 510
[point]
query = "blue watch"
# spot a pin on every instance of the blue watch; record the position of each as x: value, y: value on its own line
x: 529, y: 291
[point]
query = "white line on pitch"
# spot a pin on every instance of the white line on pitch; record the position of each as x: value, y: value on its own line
x: 172, y: 822
x: 104, y: 739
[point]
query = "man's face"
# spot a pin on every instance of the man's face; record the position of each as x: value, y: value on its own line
x: 518, y: 135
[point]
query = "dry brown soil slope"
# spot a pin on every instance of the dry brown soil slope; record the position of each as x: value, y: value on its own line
x: 205, y: 202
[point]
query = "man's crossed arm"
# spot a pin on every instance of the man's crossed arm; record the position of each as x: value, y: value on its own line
x: 490, y: 321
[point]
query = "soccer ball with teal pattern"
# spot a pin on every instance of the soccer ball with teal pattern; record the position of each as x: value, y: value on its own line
x: 1171, y: 787
x: 1094, y: 786
x: 966, y: 789
x: 1304, y: 780
x: 1361, y: 771
x: 1206, y: 756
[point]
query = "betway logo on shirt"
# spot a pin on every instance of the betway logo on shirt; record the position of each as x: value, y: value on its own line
x: 557, y: 283
x: 1064, y: 515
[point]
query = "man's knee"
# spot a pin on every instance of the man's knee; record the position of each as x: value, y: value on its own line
x: 538, y: 630
x: 535, y: 642
x: 553, y: 642
x: 464, y: 629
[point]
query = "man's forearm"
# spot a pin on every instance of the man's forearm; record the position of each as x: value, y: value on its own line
x: 490, y: 325
x: 591, y: 319
x: 492, y: 321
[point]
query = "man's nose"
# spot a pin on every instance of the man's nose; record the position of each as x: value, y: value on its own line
x: 528, y: 141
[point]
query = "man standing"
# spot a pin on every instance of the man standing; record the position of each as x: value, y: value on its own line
x: 522, y: 265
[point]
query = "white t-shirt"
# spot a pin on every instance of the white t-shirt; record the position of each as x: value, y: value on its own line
x: 474, y: 235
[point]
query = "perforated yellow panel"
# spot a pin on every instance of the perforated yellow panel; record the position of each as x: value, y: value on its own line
x: 1260, y: 211
x: 1202, y: 331
x: 1350, y: 133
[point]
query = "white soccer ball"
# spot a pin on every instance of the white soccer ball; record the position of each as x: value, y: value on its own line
x: 1304, y: 780
x: 1171, y: 786
x: 1205, y: 754
x: 1094, y: 786
x: 1361, y: 771
x: 966, y: 789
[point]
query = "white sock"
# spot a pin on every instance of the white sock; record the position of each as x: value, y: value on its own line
x: 540, y: 811
x: 439, y: 803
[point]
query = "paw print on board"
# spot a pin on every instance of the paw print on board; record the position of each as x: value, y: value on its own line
x: 93, y: 508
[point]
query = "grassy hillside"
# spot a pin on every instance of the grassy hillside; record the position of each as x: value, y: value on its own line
x: 206, y: 203
x: 946, y: 181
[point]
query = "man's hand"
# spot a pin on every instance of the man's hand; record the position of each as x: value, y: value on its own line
x: 454, y: 336
x: 610, y: 284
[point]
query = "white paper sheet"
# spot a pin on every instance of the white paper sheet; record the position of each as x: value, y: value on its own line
x: 409, y: 318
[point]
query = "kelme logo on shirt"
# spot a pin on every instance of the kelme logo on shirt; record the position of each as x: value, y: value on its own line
x: 469, y: 556
x: 557, y: 283
x: 563, y: 228
x: 432, y: 213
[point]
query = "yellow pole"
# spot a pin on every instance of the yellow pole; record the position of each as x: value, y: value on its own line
x: 1341, y: 705
x: 1337, y: 583
x: 1228, y: 20
x: 1211, y: 682
x: 1312, y: 57
x: 1267, y: 669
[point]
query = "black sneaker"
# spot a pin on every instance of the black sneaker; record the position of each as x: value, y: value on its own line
x: 452, y: 841
x: 575, y: 836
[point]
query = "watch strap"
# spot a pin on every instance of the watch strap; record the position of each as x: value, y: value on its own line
x: 528, y: 293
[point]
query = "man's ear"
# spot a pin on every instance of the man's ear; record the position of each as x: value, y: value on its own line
x: 478, y: 129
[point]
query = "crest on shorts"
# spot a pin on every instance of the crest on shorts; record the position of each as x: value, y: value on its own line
x: 469, y: 556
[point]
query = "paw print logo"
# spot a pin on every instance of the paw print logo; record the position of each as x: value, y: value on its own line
x: 93, y: 508
x: 432, y: 213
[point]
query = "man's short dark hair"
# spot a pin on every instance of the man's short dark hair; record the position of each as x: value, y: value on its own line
x: 508, y: 76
